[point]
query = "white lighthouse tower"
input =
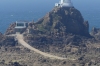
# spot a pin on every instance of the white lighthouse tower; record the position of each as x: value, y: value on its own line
x: 64, y: 3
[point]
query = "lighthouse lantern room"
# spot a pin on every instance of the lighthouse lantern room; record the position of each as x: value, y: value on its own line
x: 64, y: 3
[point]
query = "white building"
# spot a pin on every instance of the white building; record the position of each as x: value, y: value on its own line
x: 64, y: 3
x: 20, y: 25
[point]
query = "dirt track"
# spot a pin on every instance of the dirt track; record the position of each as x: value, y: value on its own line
x: 22, y: 42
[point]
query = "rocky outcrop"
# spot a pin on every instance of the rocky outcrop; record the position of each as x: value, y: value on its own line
x: 67, y: 20
x: 59, y: 20
x: 59, y: 29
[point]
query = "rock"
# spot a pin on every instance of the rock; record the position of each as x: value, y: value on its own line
x: 67, y: 20
x: 96, y: 33
x: 1, y: 36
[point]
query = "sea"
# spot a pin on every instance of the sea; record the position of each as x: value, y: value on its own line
x: 29, y: 10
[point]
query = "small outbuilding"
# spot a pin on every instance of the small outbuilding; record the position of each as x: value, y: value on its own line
x: 21, y: 26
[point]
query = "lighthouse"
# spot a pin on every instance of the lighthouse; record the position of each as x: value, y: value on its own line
x: 64, y: 3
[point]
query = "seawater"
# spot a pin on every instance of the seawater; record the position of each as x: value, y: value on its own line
x: 7, y: 16
x: 10, y: 17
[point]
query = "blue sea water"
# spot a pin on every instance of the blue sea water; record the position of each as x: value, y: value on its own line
x: 15, y: 10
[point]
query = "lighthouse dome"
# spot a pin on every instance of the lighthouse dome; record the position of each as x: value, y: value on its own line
x: 66, y: 3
